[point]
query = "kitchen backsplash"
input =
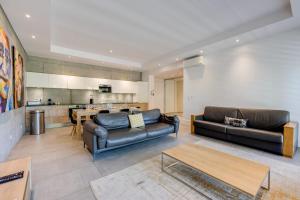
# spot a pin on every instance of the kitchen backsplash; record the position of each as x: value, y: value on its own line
x: 66, y: 96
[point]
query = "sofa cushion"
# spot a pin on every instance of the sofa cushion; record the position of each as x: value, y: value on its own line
x: 272, y: 120
x: 136, y: 120
x: 157, y: 129
x: 113, y: 120
x: 217, y: 114
x: 235, y: 122
x: 151, y: 116
x: 257, y: 134
x: 213, y: 126
x: 124, y: 136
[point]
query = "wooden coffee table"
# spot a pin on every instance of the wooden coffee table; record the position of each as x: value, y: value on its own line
x: 244, y: 175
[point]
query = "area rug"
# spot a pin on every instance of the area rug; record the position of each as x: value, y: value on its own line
x: 145, y: 180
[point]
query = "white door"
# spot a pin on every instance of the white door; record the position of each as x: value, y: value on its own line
x: 174, y: 95
x: 169, y: 96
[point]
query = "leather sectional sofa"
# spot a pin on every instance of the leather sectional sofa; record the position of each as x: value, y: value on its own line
x: 269, y: 130
x: 111, y: 131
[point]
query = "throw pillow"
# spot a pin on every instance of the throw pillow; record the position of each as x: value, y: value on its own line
x: 235, y: 122
x: 136, y: 120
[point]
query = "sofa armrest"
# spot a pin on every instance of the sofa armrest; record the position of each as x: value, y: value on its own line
x: 290, y: 139
x: 99, y: 131
x: 174, y: 120
x: 193, y: 118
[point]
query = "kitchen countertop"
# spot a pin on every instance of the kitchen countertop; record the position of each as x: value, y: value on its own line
x: 84, y: 104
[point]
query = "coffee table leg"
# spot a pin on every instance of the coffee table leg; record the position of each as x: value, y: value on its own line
x: 162, y: 162
x: 269, y: 181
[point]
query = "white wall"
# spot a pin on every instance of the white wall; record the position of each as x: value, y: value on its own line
x: 157, y: 101
x: 263, y: 74
x: 12, y: 123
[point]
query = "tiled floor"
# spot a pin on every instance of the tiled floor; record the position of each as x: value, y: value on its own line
x: 63, y: 169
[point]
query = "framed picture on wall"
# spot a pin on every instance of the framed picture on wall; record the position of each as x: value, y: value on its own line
x: 6, y: 74
x: 18, y: 78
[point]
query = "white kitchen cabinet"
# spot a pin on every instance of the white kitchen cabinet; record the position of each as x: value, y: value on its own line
x: 75, y: 82
x: 104, y: 82
x: 82, y: 83
x: 58, y: 81
x: 119, y: 86
x: 39, y: 80
x: 43, y: 80
x: 91, y: 84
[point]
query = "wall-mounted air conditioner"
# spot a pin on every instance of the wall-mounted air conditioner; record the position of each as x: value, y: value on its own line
x: 193, y: 61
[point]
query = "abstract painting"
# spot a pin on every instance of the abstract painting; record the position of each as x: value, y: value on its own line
x: 6, y: 74
x: 18, y: 79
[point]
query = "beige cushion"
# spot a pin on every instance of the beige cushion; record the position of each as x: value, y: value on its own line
x: 136, y: 120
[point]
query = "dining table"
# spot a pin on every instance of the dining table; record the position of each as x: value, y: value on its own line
x: 85, y: 114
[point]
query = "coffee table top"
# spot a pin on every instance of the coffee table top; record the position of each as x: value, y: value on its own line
x: 240, y: 173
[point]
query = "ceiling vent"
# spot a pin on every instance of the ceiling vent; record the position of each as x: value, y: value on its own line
x: 193, y: 61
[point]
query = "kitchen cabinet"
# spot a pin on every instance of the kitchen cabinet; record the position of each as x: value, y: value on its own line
x: 57, y: 81
x: 42, y: 80
x: 119, y: 86
x: 75, y: 82
x: 39, y: 80
x: 82, y: 83
x: 103, y: 82
x: 91, y: 84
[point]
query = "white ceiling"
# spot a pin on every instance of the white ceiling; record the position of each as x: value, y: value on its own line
x: 141, y: 33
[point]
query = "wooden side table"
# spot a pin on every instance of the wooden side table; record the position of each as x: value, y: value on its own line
x: 18, y: 189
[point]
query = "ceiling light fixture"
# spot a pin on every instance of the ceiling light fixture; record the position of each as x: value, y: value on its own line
x: 33, y: 37
x: 237, y: 40
x: 177, y: 59
x: 27, y: 16
x: 158, y: 64
x: 110, y: 51
x: 201, y: 51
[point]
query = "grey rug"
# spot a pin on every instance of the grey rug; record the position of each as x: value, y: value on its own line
x: 146, y: 181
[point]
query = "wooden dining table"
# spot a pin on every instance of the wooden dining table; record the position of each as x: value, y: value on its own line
x: 85, y: 114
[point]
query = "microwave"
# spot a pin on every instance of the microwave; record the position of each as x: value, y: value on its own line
x: 105, y: 88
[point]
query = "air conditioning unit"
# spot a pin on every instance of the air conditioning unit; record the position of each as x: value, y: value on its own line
x: 193, y: 61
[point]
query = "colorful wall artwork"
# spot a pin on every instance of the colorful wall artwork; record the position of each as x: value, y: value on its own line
x: 18, y: 79
x: 6, y: 74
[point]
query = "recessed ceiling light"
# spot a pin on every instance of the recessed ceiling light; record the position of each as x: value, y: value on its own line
x: 237, y: 40
x: 27, y: 16
x: 33, y: 37
x: 177, y: 59
x: 110, y: 51
x: 201, y: 51
x: 158, y: 64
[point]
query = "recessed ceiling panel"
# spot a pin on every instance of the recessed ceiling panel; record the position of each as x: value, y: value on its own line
x: 137, y: 31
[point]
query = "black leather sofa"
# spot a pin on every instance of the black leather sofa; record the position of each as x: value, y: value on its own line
x: 269, y: 130
x: 111, y: 131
